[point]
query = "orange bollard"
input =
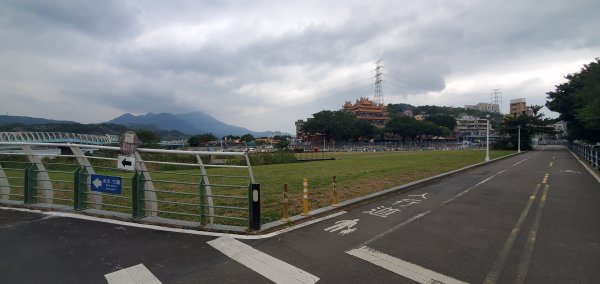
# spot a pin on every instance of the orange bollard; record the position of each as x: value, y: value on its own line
x: 305, y: 198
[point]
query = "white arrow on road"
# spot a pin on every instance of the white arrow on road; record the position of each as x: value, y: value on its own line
x: 97, y: 183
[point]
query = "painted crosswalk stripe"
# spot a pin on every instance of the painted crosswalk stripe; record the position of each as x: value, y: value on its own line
x: 132, y: 275
x: 264, y: 264
x: 401, y: 267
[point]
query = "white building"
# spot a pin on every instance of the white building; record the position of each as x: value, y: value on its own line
x: 472, y: 128
x: 485, y: 107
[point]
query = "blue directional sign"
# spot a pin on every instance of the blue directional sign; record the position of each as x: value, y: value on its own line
x: 106, y: 184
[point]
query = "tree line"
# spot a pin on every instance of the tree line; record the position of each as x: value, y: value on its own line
x: 578, y: 102
x: 342, y: 125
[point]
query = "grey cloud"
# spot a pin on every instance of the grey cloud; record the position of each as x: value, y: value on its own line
x: 91, y: 51
x: 103, y: 19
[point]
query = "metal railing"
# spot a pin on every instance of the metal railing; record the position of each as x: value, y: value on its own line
x: 57, y: 137
x: 590, y: 153
x: 209, y: 188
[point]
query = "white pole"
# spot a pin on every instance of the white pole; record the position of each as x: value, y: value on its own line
x: 519, y: 139
x: 487, y: 139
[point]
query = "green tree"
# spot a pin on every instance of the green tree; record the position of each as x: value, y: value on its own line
x: 200, y: 139
x: 429, y: 128
x: 529, y: 125
x: 578, y: 102
x: 282, y: 145
x: 406, y: 127
x: 147, y: 137
x: 442, y: 120
x: 338, y: 125
x: 247, y: 137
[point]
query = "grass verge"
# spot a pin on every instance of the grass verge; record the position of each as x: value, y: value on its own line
x: 357, y: 174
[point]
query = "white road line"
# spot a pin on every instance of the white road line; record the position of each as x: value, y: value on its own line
x: 413, y: 218
x: 169, y: 229
x: 132, y: 275
x: 401, y: 267
x: 476, y: 185
x: 521, y: 161
x: 471, y: 187
x: 264, y: 264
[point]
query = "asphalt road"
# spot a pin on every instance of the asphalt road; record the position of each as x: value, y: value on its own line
x: 530, y: 218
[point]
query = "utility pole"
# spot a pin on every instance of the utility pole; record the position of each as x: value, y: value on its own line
x: 487, y: 138
x: 378, y: 96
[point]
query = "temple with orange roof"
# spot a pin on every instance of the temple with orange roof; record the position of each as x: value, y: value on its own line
x: 366, y: 109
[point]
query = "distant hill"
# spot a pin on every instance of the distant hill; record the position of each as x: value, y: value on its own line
x: 26, y: 120
x: 164, y: 121
x: 189, y: 123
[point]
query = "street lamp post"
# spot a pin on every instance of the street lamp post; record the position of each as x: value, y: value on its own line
x: 519, y: 140
x: 487, y: 138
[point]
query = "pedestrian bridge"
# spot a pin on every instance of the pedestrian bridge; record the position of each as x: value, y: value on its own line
x: 58, y: 137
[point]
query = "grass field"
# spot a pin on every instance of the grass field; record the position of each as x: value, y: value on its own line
x: 357, y: 173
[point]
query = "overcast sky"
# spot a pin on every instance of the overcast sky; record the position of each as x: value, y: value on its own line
x: 264, y: 64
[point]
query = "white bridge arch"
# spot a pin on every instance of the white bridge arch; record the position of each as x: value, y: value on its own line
x: 58, y: 137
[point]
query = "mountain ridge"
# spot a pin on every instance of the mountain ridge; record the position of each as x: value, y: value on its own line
x: 28, y: 120
x: 190, y: 123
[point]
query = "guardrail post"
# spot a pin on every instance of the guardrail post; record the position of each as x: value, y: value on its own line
x: 79, y: 189
x: 202, y: 201
x: 29, y: 185
x: 137, y: 204
x: 254, y: 205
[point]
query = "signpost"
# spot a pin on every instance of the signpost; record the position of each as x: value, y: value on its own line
x: 126, y: 163
x: 106, y: 184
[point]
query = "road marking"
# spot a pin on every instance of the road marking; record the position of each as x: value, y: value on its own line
x: 413, y: 218
x: 474, y: 186
x: 264, y: 264
x: 498, y: 266
x: 132, y: 275
x: 520, y: 161
x: 169, y: 229
x: 545, y: 179
x: 401, y: 267
x: 341, y: 224
x: 551, y: 163
x: 523, y: 266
